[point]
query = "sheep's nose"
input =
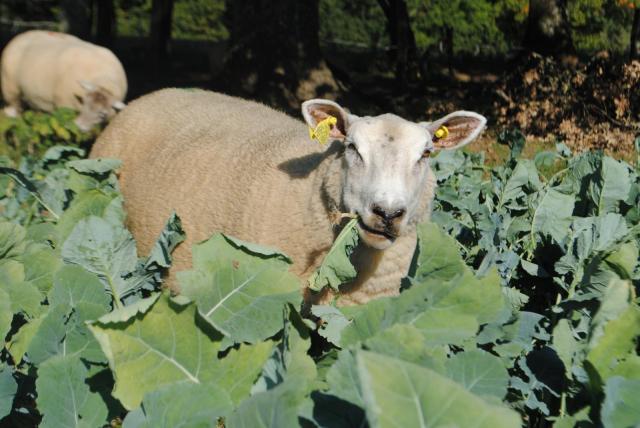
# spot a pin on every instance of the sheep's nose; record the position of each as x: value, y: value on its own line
x: 388, y: 215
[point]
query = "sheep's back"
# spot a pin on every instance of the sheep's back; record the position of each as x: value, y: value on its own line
x: 47, y: 68
x: 219, y: 162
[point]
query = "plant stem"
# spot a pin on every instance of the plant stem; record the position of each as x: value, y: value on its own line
x: 116, y: 298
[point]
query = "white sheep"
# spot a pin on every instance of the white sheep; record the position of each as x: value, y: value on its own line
x: 236, y: 166
x: 44, y: 70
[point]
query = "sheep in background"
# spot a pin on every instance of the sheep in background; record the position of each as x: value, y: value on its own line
x: 231, y: 165
x: 45, y: 70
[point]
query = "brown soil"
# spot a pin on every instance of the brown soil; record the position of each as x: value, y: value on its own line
x: 590, y: 106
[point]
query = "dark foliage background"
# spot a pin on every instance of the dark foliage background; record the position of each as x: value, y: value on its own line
x: 417, y: 58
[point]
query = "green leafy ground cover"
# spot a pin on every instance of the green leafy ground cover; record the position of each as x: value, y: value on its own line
x: 520, y: 310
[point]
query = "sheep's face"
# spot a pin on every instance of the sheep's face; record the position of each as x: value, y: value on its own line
x: 97, y: 105
x: 387, y: 176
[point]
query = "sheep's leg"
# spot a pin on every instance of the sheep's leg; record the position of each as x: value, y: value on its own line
x: 12, y: 98
x: 11, y: 95
x: 12, y: 110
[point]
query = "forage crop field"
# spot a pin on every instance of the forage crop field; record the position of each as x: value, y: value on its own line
x: 520, y: 309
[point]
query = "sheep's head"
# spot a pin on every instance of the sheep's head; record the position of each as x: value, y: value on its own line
x: 97, y: 105
x: 386, y: 168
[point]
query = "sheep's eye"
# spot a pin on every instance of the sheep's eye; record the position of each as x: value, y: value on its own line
x: 426, y: 154
x: 354, y: 153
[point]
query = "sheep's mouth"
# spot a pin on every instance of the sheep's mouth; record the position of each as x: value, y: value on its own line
x: 382, y: 233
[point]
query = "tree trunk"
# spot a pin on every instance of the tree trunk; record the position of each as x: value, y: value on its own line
x: 548, y: 32
x: 448, y: 39
x: 635, y: 32
x: 78, y: 15
x: 105, y: 23
x: 274, y: 47
x: 161, y: 15
x: 402, y: 40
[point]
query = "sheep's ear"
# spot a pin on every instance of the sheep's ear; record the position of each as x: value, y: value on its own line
x: 314, y: 111
x: 455, y: 130
x: 118, y: 105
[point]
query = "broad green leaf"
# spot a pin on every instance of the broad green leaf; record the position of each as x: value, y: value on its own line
x: 181, y: 404
x: 102, y: 248
x: 479, y: 372
x: 610, y: 186
x: 621, y: 406
x: 333, y: 322
x: 523, y: 174
x: 24, y: 296
x: 401, y: 394
x: 6, y: 313
x: 62, y: 331
x: 238, y: 371
x: 289, y: 357
x: 57, y: 153
x: 438, y: 255
x: 219, y: 248
x: 446, y: 162
x: 39, y: 265
x: 95, y: 166
x: 243, y: 299
x: 171, y: 235
x: 64, y: 399
x: 367, y: 320
x: 440, y: 327
x: 49, y: 339
x: 27, y: 184
x: 515, y: 299
x: 615, y: 344
x: 542, y: 375
x: 343, y: 379
x: 128, y: 312
x: 328, y: 411
x: 401, y: 341
x: 21, y: 341
x: 616, y: 298
x: 73, y: 284
x: 12, y: 242
x: 165, y: 339
x: 629, y: 368
x: 44, y: 233
x: 552, y: 216
x: 336, y: 268
x: 565, y: 344
x: 445, y: 312
x: 407, y: 343
x: 168, y: 339
x: 8, y: 389
x: 571, y: 421
x: 257, y: 250
x: 624, y: 260
x: 90, y: 203
x: 114, y: 212
x: 275, y: 408
x: 148, y: 273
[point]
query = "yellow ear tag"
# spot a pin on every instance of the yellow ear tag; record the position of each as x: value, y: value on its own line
x: 322, y: 129
x: 442, y: 132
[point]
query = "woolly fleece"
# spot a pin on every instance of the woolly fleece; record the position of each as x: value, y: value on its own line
x: 236, y: 166
x: 43, y: 70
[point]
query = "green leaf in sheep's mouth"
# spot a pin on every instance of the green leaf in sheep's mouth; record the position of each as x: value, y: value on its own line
x: 336, y: 268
